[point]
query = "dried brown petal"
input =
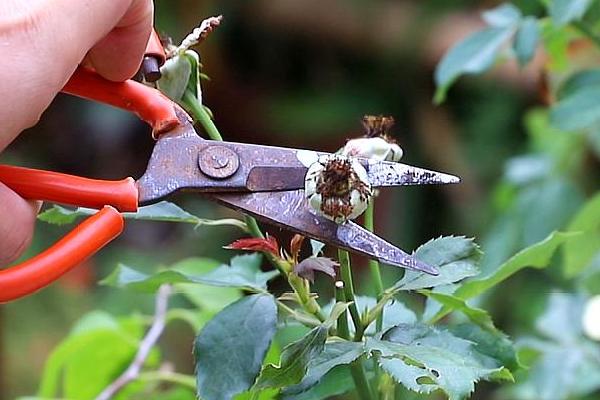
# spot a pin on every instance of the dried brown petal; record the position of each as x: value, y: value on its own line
x: 377, y: 125
x: 296, y: 245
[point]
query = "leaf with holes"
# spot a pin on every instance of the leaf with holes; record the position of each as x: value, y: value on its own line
x: 426, y: 359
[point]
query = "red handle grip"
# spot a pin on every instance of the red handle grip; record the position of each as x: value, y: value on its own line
x: 147, y: 103
x: 68, y: 189
x: 86, y: 239
x: 155, y: 49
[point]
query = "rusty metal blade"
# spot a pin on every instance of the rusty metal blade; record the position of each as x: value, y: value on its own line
x: 385, y: 173
x: 183, y: 160
x: 289, y: 210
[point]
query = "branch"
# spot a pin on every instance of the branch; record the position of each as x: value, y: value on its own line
x: 152, y: 336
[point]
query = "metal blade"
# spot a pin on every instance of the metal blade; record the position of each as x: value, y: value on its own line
x: 289, y: 210
x: 386, y: 173
x: 183, y: 160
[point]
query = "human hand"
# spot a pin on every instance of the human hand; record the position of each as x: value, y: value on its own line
x: 43, y: 42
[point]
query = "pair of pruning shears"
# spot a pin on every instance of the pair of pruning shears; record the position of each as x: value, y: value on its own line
x: 263, y: 181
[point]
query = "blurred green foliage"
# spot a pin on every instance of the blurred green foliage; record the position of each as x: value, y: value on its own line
x: 290, y: 73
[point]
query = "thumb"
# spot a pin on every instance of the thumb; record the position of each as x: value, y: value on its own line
x: 17, y: 219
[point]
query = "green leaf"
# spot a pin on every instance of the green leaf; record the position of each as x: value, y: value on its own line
x: 229, y: 351
x: 579, y: 253
x: 536, y: 256
x: 175, y: 76
x: 194, y: 81
x: 425, y: 359
x: 82, y: 363
x: 294, y: 360
x: 317, y: 247
x: 494, y: 344
x: 161, y: 211
x: 478, y: 316
x: 578, y: 81
x: 546, y: 206
x: 394, y: 313
x: 567, y: 365
x: 58, y: 215
x: 455, y: 257
x: 473, y: 55
x: 336, y: 382
x: 338, y: 309
x: 580, y: 110
x: 565, y: 11
x: 505, y: 15
x: 334, y: 353
x: 243, y: 272
x: 556, y: 44
x: 562, y: 319
x: 526, y: 40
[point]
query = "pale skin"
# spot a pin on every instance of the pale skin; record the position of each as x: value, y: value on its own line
x: 42, y: 42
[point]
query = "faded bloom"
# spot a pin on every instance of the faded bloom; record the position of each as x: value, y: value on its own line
x: 376, y: 148
x: 337, y: 187
x: 377, y: 143
x: 591, y: 318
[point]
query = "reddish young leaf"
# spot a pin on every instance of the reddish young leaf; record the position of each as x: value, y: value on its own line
x: 296, y: 246
x: 267, y: 245
x: 307, y: 267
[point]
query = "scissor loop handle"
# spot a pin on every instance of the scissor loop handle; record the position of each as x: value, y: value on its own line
x: 82, y: 242
x: 35, y: 184
x: 147, y: 103
x: 86, y: 239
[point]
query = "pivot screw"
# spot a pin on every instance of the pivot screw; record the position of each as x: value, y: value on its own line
x: 218, y: 162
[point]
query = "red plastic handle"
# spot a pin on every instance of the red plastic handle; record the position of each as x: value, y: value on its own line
x: 155, y: 49
x: 95, y: 232
x: 68, y: 189
x: 147, y: 103
x: 86, y: 239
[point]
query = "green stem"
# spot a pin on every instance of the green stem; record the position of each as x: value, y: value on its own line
x: 342, y: 322
x: 308, y: 303
x: 302, y: 290
x: 253, y: 227
x: 171, y: 377
x: 363, y: 387
x: 586, y: 31
x: 197, y: 110
x: 377, y: 281
x: 346, y: 273
x: 377, y: 311
x: 304, y: 319
x: 374, y: 265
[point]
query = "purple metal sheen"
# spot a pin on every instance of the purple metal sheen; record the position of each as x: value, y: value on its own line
x: 289, y: 210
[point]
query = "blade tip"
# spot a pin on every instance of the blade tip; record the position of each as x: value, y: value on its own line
x: 451, y: 179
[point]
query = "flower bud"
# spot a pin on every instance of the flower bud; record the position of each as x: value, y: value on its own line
x: 591, y: 318
x: 337, y: 188
x: 376, y: 148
